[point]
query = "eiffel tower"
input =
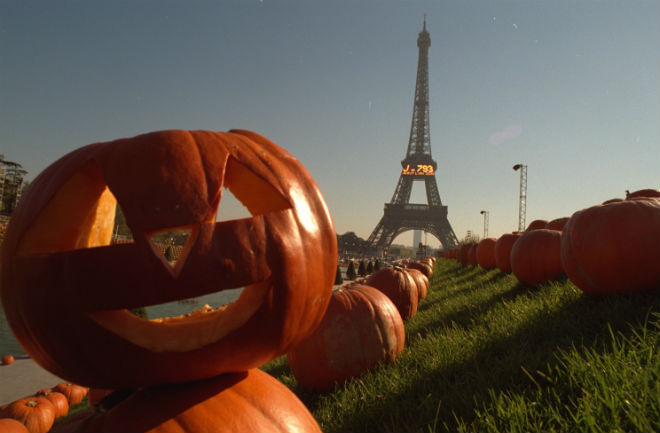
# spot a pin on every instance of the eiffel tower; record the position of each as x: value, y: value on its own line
x: 418, y: 165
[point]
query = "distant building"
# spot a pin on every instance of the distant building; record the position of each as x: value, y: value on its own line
x: 11, y: 185
x: 417, y: 238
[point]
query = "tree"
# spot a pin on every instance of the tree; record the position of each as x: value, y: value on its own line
x: 338, y: 278
x: 350, y: 272
x: 362, y: 270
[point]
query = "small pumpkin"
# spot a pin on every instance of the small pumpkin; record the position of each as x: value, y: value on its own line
x: 614, y: 248
x: 59, y: 400
x: 57, y: 248
x: 250, y: 401
x: 557, y: 224
x: 74, y: 393
x: 536, y: 225
x: 7, y: 359
x: 535, y: 256
x: 644, y: 193
x: 472, y: 254
x: 463, y: 253
x: 361, y: 328
x: 422, y: 282
x: 503, y: 250
x: 36, y: 413
x: 423, y: 267
x: 486, y: 253
x: 95, y: 395
x: 10, y: 425
x: 399, y: 286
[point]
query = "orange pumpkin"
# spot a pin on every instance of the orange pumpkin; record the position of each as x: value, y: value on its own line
x: 10, y: 425
x: 74, y: 393
x: 557, y: 224
x: 7, y: 359
x: 59, y: 400
x: 642, y: 193
x: 36, y: 413
x: 486, y: 253
x: 614, y: 248
x: 361, y: 328
x: 503, y: 250
x: 95, y: 395
x: 463, y: 253
x: 399, y: 286
x: 535, y: 256
x: 472, y: 254
x: 57, y: 248
x: 423, y: 267
x: 536, y: 225
x: 421, y: 281
x: 250, y: 401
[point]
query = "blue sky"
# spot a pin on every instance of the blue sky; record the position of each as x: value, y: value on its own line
x: 570, y: 88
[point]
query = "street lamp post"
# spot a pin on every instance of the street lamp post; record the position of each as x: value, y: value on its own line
x: 485, y: 214
x: 522, y: 206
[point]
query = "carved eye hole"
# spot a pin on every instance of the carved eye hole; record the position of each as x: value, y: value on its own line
x: 81, y: 214
x: 173, y: 245
x: 254, y: 193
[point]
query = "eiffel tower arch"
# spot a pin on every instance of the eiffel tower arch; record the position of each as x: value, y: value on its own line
x: 418, y: 166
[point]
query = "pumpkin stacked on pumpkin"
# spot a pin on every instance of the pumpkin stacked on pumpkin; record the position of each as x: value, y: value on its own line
x: 57, y: 249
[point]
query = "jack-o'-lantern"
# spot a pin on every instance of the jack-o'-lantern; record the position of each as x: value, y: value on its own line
x: 67, y: 290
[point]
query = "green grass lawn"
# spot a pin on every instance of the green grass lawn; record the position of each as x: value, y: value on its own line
x: 486, y: 353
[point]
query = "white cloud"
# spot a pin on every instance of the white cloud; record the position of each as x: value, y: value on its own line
x: 508, y: 133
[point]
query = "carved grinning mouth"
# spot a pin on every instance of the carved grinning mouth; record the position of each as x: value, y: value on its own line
x: 187, y: 332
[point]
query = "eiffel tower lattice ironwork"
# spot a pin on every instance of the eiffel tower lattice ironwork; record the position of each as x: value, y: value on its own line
x: 418, y: 165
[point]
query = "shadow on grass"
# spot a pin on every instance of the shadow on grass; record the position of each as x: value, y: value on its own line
x: 461, y: 387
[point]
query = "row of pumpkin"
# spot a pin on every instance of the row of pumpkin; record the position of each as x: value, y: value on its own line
x: 605, y: 249
x: 37, y: 413
x: 362, y: 326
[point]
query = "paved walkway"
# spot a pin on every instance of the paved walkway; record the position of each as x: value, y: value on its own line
x: 23, y: 378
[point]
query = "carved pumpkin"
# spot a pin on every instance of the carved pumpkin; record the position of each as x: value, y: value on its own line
x: 250, y: 401
x: 36, y: 413
x: 486, y: 253
x: 614, y: 248
x: 503, y: 250
x: 361, y: 328
x: 59, y: 400
x: 399, y: 286
x: 535, y: 256
x: 57, y: 249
